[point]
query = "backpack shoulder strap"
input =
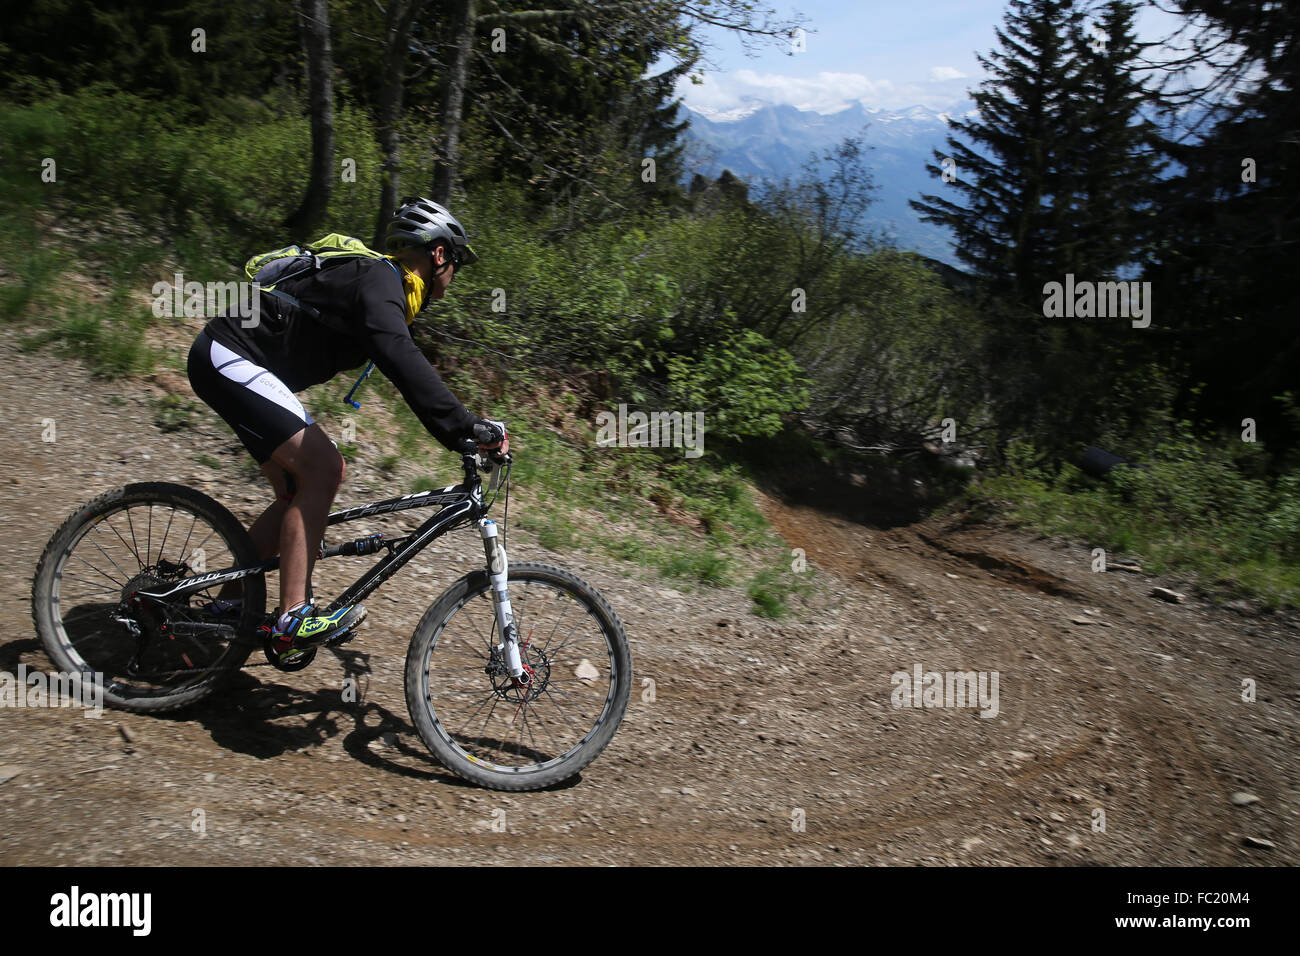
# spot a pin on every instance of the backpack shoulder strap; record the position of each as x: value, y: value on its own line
x: 329, y: 321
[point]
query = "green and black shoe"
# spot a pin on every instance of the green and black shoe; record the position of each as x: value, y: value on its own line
x: 303, y: 629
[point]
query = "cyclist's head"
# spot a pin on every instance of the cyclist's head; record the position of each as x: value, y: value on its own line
x: 423, y: 224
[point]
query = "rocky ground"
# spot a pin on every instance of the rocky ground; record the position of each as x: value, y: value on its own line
x: 1121, y: 734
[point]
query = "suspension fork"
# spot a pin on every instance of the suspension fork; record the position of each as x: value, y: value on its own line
x: 498, y: 571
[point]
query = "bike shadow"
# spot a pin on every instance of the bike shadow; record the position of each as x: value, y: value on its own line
x: 247, y: 715
x: 11, y: 653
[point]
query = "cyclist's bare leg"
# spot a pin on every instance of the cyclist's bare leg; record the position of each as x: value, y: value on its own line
x: 317, y: 470
x: 265, y: 531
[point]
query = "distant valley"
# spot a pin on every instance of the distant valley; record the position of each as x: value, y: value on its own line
x: 774, y: 142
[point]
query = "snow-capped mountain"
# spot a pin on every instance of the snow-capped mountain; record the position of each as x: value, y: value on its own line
x: 766, y: 142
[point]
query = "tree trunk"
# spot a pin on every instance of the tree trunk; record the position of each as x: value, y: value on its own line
x: 313, y: 19
x: 397, y: 39
x: 453, y: 104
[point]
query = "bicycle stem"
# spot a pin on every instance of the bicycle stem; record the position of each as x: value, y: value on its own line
x: 498, y: 571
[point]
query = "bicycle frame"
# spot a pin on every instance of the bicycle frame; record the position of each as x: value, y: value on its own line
x: 460, y: 504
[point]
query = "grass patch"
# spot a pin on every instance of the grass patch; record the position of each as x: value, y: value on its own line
x: 554, y: 531
x: 1197, y: 509
x: 36, y: 266
x: 657, y: 491
x: 173, y: 413
x: 771, y: 589
x: 702, y: 566
x: 425, y: 483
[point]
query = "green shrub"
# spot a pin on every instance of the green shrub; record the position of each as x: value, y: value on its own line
x: 705, y: 566
x: 1201, y: 507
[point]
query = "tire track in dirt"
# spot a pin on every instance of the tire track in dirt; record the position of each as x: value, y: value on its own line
x: 1163, y: 764
x: 839, y: 548
x: 969, y: 548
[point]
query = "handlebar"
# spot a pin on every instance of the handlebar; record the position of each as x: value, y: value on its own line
x: 473, y: 461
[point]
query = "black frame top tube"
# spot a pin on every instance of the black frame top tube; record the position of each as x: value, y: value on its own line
x: 460, y: 504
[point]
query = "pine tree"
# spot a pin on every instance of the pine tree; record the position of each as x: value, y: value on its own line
x: 1230, y: 228
x: 1063, y: 185
x: 571, y: 105
x: 1002, y: 226
x: 1109, y: 164
x: 150, y: 47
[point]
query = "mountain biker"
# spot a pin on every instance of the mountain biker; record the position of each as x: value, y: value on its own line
x: 249, y: 377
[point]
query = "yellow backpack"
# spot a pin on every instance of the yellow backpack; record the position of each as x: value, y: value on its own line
x: 271, y: 268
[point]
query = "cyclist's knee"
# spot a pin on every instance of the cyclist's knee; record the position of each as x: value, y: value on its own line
x: 338, y: 468
x: 325, y: 472
x: 312, y: 464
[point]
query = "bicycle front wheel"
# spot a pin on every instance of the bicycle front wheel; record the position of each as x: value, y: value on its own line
x: 500, y: 733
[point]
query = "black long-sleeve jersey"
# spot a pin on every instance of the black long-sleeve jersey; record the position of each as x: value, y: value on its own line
x: 365, y: 298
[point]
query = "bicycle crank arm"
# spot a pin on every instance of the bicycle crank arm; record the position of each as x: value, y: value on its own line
x: 498, y: 571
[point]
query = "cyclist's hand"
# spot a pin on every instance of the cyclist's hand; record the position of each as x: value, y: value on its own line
x: 492, y: 438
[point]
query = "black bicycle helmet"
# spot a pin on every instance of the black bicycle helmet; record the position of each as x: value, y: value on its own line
x: 422, y: 222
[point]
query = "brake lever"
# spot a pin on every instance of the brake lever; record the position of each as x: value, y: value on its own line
x: 497, y: 468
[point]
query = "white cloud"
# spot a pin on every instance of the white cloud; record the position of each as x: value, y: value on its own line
x: 728, y: 95
x: 939, y: 74
x: 823, y: 93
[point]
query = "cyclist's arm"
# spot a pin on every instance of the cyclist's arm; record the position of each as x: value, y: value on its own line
x: 394, y: 352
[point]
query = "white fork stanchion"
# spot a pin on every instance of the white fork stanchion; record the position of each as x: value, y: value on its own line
x: 498, y: 570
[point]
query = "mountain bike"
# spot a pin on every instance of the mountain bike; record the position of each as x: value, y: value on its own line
x: 516, y: 677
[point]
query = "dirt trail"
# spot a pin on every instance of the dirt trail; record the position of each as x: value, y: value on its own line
x: 761, y: 743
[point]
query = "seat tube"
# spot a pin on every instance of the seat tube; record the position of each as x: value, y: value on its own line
x: 498, y: 571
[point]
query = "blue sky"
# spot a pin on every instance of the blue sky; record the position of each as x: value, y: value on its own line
x: 884, y: 53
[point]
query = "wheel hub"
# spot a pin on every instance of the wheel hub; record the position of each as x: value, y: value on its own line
x: 529, y: 685
x: 146, y: 580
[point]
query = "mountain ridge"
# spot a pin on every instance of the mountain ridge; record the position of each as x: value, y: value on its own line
x: 774, y: 141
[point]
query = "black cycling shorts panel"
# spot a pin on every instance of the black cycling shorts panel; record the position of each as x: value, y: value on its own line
x: 260, y: 408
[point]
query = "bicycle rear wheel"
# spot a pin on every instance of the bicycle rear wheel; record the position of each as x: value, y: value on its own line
x: 144, y: 537
x: 480, y: 723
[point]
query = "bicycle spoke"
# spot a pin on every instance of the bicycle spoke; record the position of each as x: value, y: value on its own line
x: 124, y: 574
x: 563, y: 716
x: 565, y: 642
x: 162, y: 545
x: 477, y: 657
x: 188, y: 534
x: 80, y: 612
x: 205, y: 540
x: 135, y: 546
x: 551, y: 636
x: 558, y: 746
x: 495, y: 700
x: 489, y: 697
x: 128, y: 545
x: 567, y: 693
x: 96, y: 587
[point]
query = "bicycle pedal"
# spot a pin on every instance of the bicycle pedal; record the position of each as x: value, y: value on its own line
x: 294, y: 660
x: 342, y: 637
